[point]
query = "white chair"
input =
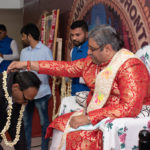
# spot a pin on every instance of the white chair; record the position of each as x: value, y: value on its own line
x: 122, y: 133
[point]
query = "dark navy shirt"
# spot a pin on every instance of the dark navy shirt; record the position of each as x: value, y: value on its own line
x: 78, y: 53
x: 5, y: 49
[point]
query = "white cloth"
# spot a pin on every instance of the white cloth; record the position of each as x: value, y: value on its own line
x: 69, y: 104
x: 144, y: 55
x: 122, y: 133
x: 1, y: 59
x: 81, y: 80
x: 57, y: 135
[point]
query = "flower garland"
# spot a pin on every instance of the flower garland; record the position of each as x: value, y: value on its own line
x: 69, y: 87
x: 66, y: 87
x: 65, y: 91
x: 49, y: 44
x: 9, y: 113
x: 54, y: 98
x: 63, y: 88
x: 43, y: 28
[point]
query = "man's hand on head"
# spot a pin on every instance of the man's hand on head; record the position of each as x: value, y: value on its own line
x: 17, y: 65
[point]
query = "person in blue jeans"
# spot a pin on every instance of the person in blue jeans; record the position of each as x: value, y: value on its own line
x: 41, y: 104
x: 79, y: 35
x: 33, y: 52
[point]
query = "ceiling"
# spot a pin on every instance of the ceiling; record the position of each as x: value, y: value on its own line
x: 11, y: 4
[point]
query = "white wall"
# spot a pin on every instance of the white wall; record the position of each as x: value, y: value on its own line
x: 11, y: 4
x: 13, y: 19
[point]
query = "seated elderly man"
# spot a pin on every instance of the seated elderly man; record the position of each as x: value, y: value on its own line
x: 119, y: 86
x: 16, y: 88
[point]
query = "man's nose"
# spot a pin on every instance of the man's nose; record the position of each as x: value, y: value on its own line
x: 89, y: 52
x: 74, y: 37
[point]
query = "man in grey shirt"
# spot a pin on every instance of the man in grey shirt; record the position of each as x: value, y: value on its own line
x: 34, y: 52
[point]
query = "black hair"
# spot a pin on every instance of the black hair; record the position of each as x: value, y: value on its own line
x: 3, y: 27
x: 80, y: 24
x: 26, y: 79
x: 31, y: 29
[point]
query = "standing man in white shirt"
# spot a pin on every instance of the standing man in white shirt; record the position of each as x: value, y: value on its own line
x: 8, y: 49
x: 34, y: 52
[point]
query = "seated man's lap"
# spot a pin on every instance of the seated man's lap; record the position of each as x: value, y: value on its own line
x: 69, y: 104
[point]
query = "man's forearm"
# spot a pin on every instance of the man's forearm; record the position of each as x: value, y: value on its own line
x: 29, y: 65
x: 34, y: 66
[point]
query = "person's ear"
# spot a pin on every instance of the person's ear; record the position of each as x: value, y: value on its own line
x: 30, y: 36
x: 5, y: 33
x: 86, y: 35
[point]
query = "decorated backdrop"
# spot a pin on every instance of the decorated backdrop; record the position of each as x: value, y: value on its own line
x: 131, y: 18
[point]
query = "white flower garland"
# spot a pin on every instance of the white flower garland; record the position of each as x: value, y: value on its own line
x: 9, y: 113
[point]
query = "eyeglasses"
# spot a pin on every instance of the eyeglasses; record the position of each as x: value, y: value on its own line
x: 25, y: 99
x: 92, y: 48
x: 95, y: 49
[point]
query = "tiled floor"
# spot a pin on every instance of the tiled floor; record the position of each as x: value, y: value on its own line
x: 36, y: 144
